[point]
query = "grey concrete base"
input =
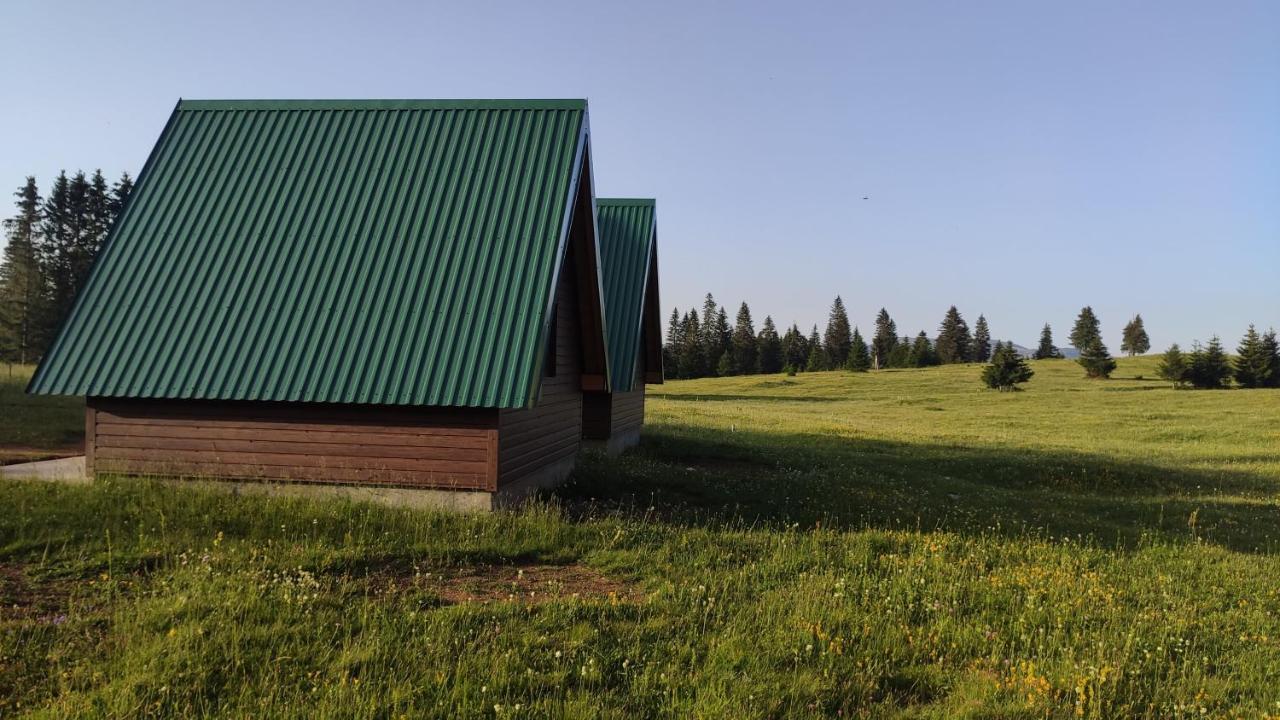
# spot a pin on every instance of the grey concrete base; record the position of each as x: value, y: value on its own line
x: 71, y: 470
x: 63, y: 469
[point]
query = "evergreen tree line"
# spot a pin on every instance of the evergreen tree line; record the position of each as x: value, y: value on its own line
x: 703, y: 344
x: 1256, y: 364
x: 52, y: 242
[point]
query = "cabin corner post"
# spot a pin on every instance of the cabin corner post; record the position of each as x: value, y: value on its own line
x: 491, y: 479
x: 90, y: 436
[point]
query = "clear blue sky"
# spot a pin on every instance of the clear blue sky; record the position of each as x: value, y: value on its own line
x: 1020, y: 159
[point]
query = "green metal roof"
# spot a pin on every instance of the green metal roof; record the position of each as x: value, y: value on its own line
x: 628, y: 231
x: 371, y: 251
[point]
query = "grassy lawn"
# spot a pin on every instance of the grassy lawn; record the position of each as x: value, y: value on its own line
x: 36, y: 427
x: 897, y: 544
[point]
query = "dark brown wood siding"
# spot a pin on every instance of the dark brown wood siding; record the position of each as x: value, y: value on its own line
x: 533, y: 439
x: 628, y: 411
x: 357, y: 445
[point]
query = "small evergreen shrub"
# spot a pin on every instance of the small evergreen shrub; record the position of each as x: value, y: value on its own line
x: 1006, y: 370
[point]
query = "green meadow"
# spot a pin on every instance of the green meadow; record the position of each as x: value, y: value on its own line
x: 898, y: 544
x: 36, y: 428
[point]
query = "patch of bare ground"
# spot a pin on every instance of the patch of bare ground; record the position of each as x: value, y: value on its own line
x: 41, y: 601
x: 505, y: 583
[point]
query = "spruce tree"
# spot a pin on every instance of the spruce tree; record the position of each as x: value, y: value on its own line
x: 795, y: 350
x: 725, y: 368
x: 1253, y: 363
x: 921, y: 354
x: 1096, y: 360
x: 98, y: 213
x: 709, y: 333
x: 24, y: 297
x: 900, y: 355
x: 836, y: 339
x: 981, y: 341
x: 1007, y: 369
x: 770, y: 346
x: 723, y: 332
x: 817, y: 359
x: 1135, y: 341
x: 1271, y: 348
x: 1086, y: 330
x: 885, y: 338
x: 119, y: 195
x: 745, y: 355
x: 859, y: 357
x: 953, y: 341
x: 1047, y: 350
x: 693, y: 359
x: 1173, y: 366
x: 56, y: 248
x: 1209, y: 366
x: 84, y: 238
x: 671, y: 350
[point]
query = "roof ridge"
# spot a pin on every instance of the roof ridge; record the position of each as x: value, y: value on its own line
x: 386, y: 104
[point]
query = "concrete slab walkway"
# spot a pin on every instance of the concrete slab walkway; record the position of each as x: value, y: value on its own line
x: 65, y: 469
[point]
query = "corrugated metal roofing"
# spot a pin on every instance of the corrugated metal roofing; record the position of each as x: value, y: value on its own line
x: 386, y: 252
x: 627, y: 233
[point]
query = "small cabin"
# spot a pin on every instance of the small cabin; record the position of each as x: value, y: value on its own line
x: 400, y: 295
x: 629, y: 260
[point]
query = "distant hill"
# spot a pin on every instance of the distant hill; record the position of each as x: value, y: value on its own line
x: 1067, y: 352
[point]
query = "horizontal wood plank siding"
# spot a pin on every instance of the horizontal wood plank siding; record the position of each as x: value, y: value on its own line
x: 361, y: 445
x: 533, y: 439
x: 628, y: 410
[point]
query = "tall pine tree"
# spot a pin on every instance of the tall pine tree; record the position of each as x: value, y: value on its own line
x: 1086, y: 330
x: 693, y: 357
x: 1271, y: 348
x: 817, y: 359
x: 56, y: 245
x: 24, y: 298
x: 1209, y: 368
x: 922, y: 354
x: 1135, y: 340
x: 120, y: 192
x: 836, y: 339
x: 671, y: 350
x: 953, y: 341
x: 1253, y: 363
x: 770, y: 347
x: 710, y: 333
x: 884, y: 340
x: 1047, y: 350
x: 981, y: 351
x: 1173, y: 366
x: 745, y: 355
x: 795, y: 349
x: 859, y: 357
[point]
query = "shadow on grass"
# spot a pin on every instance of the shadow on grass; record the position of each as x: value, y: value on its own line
x: 695, y: 477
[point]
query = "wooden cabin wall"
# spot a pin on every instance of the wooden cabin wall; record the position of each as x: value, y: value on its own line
x: 440, y: 448
x: 549, y: 435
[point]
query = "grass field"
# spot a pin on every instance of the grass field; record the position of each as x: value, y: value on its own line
x: 36, y: 428
x: 897, y: 544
